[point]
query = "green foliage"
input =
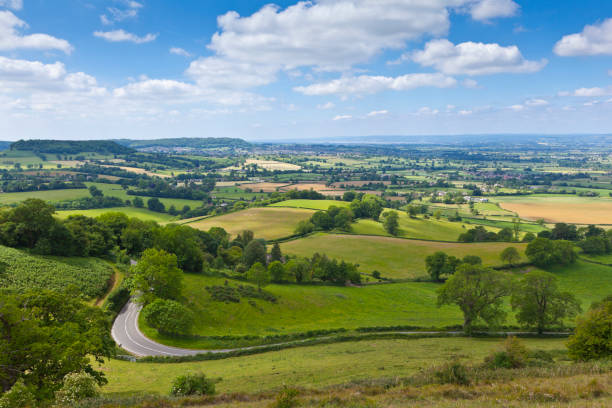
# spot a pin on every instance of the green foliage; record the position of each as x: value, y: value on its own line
x: 259, y: 275
x: 71, y: 147
x: 19, y: 396
x: 287, y: 398
x: 192, y: 384
x: 544, y: 252
x: 440, y: 264
x: 592, y: 338
x: 277, y: 271
x: 510, y: 256
x: 23, y: 271
x: 540, y: 302
x: 514, y: 354
x: 452, y: 373
x: 479, y: 293
x: 390, y: 222
x: 156, y: 276
x: 154, y: 204
x: 304, y: 227
x: 182, y: 241
x: 254, y: 252
x: 168, y: 317
x: 370, y: 206
x: 77, y: 387
x: 275, y: 254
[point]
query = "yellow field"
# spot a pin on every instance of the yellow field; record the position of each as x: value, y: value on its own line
x: 552, y: 209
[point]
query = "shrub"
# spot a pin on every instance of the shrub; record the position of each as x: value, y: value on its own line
x: 513, y: 355
x: 287, y: 398
x: 168, y: 317
x: 593, y: 336
x: 452, y: 373
x: 77, y: 386
x: 19, y: 396
x: 192, y: 384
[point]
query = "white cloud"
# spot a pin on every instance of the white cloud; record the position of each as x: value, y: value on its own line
x: 469, y: 83
x: 377, y: 113
x: 427, y: 111
x: 366, y: 84
x: 342, y: 117
x: 12, y: 4
x: 593, y: 40
x: 465, y: 112
x: 115, y: 14
x: 517, y: 108
x: 327, y: 105
x: 180, y: 51
x: 12, y: 39
x: 537, y: 102
x: 610, y: 72
x: 489, y: 9
x: 220, y: 72
x: 470, y: 58
x: 124, y: 36
x: 593, y: 92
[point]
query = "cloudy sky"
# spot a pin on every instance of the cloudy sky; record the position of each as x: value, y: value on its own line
x: 323, y: 68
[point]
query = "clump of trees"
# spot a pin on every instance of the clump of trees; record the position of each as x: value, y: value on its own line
x: 481, y: 234
x: 544, y: 252
x: 391, y: 222
x: 440, y: 264
x: 335, y: 217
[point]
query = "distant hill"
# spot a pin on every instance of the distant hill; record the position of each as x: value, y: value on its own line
x: 5, y: 145
x: 71, y: 146
x: 185, y: 142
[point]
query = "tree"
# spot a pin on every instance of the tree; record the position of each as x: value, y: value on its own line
x: 168, y: 317
x: 391, y: 223
x: 28, y: 222
x: 254, y: 252
x: 505, y: 235
x: 304, y: 227
x: 592, y: 338
x: 276, y: 254
x: 479, y: 293
x: 155, y: 205
x: 157, y: 276
x: 540, y: 303
x: 95, y: 191
x: 440, y: 264
x: 277, y: 271
x: 45, y: 335
x: 322, y: 221
x: 564, y: 253
x: 471, y: 259
x: 137, y: 202
x: 540, y: 252
x: 259, y: 275
x: 510, y: 256
x: 184, y: 242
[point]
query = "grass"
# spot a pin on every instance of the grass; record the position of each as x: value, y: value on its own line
x: 115, y: 190
x: 312, y: 367
x: 235, y: 193
x: 25, y: 271
x: 141, y: 213
x: 48, y: 195
x: 311, y: 204
x: 267, y: 223
x: 392, y: 257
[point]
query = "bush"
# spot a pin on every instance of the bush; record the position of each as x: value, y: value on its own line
x: 118, y: 299
x: 287, y: 398
x: 593, y: 336
x: 168, y: 317
x: 77, y: 386
x: 514, y: 355
x: 19, y: 396
x: 192, y: 384
x: 452, y: 373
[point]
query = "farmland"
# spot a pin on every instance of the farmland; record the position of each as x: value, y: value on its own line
x: 141, y: 213
x: 268, y: 223
x: 311, y: 204
x: 394, y: 258
x: 89, y: 276
x: 551, y: 208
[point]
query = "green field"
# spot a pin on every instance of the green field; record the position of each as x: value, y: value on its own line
x: 115, y: 190
x: 311, y: 204
x: 141, y: 213
x: 588, y: 282
x: 48, y: 195
x: 25, y: 271
x: 393, y: 257
x: 236, y: 193
x: 267, y: 223
x: 312, y: 367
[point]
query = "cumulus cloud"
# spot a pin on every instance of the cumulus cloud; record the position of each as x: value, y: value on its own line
x: 12, y: 4
x: 327, y: 105
x: 537, y: 102
x: 366, y: 84
x: 488, y: 9
x: 12, y: 39
x: 114, y: 14
x: 180, y: 51
x: 593, y: 40
x: 377, y: 113
x: 224, y: 73
x: 593, y: 92
x: 342, y: 117
x: 124, y: 36
x: 470, y: 58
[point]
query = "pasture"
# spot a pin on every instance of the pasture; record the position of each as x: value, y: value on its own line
x: 265, y: 222
x: 394, y: 258
x: 560, y: 208
x: 141, y: 213
x: 25, y: 271
x: 311, y: 367
x: 47, y: 195
x: 311, y: 204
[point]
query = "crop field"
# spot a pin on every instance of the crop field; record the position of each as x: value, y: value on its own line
x: 25, y: 271
x: 138, y: 170
x: 141, y: 213
x: 318, y: 187
x: 267, y: 223
x: 393, y: 257
x: 272, y: 164
x: 566, y: 208
x: 235, y: 193
x: 311, y: 367
x: 301, y: 308
x: 311, y: 204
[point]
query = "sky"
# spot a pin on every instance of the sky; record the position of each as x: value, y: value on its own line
x: 289, y: 70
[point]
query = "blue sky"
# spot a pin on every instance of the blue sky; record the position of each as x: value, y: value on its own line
x: 79, y: 69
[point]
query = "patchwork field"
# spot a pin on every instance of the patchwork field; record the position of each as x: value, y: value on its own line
x: 141, y: 213
x: 25, y: 271
x: 315, y: 366
x: 393, y: 257
x: 571, y: 209
x: 272, y: 164
x: 311, y: 204
x: 267, y: 223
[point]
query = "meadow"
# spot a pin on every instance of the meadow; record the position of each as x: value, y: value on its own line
x: 311, y: 204
x: 47, y: 195
x: 560, y: 208
x: 311, y: 367
x: 394, y: 258
x: 267, y: 223
x: 25, y: 271
x: 141, y: 213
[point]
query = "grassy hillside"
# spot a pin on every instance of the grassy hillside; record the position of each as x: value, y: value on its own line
x: 268, y: 223
x: 25, y: 271
x: 393, y: 257
x: 141, y: 213
x: 311, y: 367
x: 48, y: 195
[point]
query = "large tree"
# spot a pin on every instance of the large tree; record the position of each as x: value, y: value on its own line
x: 540, y: 303
x: 391, y: 223
x: 479, y: 293
x: 168, y: 317
x: 184, y: 242
x: 254, y: 252
x: 592, y: 338
x: 157, y: 276
x: 259, y: 275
